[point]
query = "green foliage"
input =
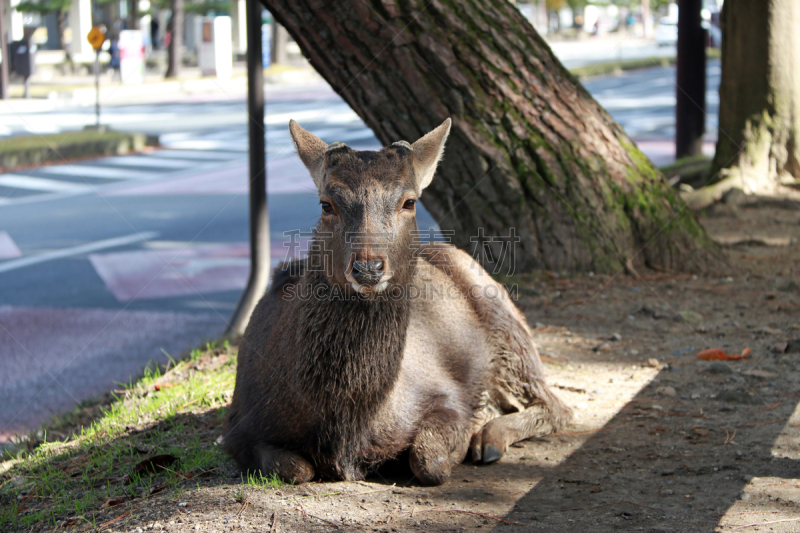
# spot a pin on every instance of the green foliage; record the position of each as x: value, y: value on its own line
x: 43, y: 7
x: 201, y: 7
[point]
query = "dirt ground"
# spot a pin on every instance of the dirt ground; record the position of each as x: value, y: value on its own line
x: 662, y: 441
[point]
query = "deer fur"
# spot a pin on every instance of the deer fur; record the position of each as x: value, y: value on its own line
x: 375, y: 344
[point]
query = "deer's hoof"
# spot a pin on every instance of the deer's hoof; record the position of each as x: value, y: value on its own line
x: 491, y: 453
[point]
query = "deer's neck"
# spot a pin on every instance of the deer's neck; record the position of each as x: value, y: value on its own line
x: 352, y: 345
x: 352, y: 351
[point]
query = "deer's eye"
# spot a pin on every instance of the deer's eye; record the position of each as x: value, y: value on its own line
x: 326, y: 207
x: 409, y: 204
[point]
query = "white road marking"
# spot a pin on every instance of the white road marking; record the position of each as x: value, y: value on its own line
x: 15, y: 264
x: 18, y: 181
x: 194, y: 154
x: 8, y: 248
x: 200, y: 144
x: 144, y: 161
x: 91, y: 171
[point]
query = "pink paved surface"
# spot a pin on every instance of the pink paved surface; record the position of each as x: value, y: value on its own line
x: 77, y: 353
x: 8, y: 248
x: 204, y: 268
x: 143, y: 274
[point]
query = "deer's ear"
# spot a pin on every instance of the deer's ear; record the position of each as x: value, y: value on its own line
x: 427, y: 152
x: 311, y: 150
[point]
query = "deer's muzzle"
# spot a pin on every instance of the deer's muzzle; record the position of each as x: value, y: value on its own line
x: 368, y: 272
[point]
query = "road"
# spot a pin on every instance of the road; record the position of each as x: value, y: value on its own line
x: 109, y: 263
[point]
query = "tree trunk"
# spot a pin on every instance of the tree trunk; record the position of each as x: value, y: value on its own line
x: 759, y: 110
x: 61, y: 24
x: 134, y: 23
x: 529, y: 148
x: 176, y: 39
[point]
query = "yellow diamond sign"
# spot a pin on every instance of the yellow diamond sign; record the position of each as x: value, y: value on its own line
x: 96, y: 37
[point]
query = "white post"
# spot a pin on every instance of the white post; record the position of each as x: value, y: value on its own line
x: 14, y: 21
x: 80, y: 21
x: 238, y: 14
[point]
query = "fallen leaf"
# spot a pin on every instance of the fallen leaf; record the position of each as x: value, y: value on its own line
x: 111, y: 502
x: 713, y: 353
x: 719, y: 354
x: 158, y: 488
x: 153, y: 464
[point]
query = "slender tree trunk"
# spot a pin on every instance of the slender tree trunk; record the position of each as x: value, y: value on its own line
x: 647, y: 27
x: 4, y: 70
x: 529, y: 148
x: 134, y: 23
x: 176, y: 39
x: 61, y: 23
x: 759, y: 111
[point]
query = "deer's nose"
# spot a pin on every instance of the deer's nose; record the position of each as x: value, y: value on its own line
x: 368, y: 272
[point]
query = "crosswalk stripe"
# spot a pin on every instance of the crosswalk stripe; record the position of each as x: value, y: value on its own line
x: 91, y: 171
x: 200, y: 144
x: 225, y: 135
x: 194, y: 154
x: 40, y: 184
x: 144, y: 161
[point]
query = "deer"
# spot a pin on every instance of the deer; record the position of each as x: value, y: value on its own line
x: 376, y: 346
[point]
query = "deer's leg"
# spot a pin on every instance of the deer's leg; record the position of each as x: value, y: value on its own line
x: 442, y: 441
x: 287, y: 465
x: 491, y: 442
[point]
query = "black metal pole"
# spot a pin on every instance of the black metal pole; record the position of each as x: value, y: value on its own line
x: 259, y: 216
x: 4, y: 52
x: 690, y: 109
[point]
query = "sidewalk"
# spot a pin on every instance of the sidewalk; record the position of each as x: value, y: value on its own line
x: 80, y: 89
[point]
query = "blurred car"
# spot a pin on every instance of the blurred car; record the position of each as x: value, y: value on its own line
x: 667, y: 32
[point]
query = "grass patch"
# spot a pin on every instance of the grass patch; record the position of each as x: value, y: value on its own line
x: 157, y: 438
x: 260, y: 481
x: 25, y: 150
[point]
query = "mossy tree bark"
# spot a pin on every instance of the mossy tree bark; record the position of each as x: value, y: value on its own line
x: 759, y: 109
x: 529, y: 148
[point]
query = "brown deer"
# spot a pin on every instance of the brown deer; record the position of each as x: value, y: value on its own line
x: 376, y: 344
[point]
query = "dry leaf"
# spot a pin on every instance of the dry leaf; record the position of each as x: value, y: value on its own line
x: 718, y: 354
x: 153, y: 464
